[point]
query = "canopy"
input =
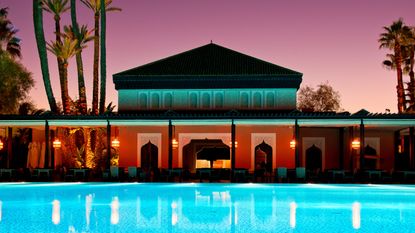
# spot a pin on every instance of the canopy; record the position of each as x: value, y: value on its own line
x: 214, y: 153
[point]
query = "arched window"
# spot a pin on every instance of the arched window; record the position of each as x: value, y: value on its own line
x: 257, y: 100
x: 244, y: 100
x: 168, y: 100
x: 155, y: 101
x: 219, y: 100
x: 206, y: 100
x: 270, y: 100
x: 193, y: 100
x: 143, y: 101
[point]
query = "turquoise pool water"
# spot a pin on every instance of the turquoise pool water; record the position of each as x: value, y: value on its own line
x: 135, y: 207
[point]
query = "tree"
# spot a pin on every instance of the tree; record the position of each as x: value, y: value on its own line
x: 41, y: 47
x: 64, y: 50
x: 95, y: 6
x: 394, y: 38
x: 323, y: 99
x: 15, y: 83
x: 57, y: 8
x: 81, y: 37
x: 103, y: 65
x: 8, y: 41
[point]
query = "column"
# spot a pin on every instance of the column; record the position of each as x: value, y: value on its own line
x: 9, y: 146
x: 47, y: 140
x: 233, y: 145
x: 297, y: 144
x: 170, y: 145
x: 362, y: 145
x: 411, y: 148
x: 109, y: 143
x: 341, y: 148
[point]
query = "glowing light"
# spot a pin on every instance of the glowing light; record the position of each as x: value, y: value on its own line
x: 236, y: 144
x: 293, y: 208
x: 174, y: 216
x: 1, y: 145
x: 355, y: 144
x: 57, y: 143
x: 56, y: 212
x: 356, y: 215
x: 115, y: 143
x: 175, y: 143
x: 292, y: 144
x: 115, y: 215
x: 88, y: 204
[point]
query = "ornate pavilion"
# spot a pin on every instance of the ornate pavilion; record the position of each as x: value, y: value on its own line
x: 215, y: 107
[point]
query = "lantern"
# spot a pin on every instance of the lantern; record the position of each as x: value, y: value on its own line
x: 1, y: 145
x: 174, y: 143
x: 56, y: 143
x: 292, y: 144
x: 355, y: 144
x: 115, y: 143
x: 236, y: 144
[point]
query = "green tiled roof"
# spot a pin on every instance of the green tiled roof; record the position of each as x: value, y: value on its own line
x: 210, y: 59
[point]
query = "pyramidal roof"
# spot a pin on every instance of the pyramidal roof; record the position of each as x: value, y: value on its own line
x: 210, y: 59
x: 208, y: 67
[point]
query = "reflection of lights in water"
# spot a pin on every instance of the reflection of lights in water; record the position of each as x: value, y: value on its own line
x: 293, y: 207
x: 236, y: 214
x: 356, y: 215
x: 88, y: 204
x: 1, y: 207
x: 174, y: 216
x: 56, y: 212
x: 115, y: 215
x: 71, y: 229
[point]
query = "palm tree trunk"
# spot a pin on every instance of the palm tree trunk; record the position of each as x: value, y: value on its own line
x: 399, y: 87
x: 95, y: 71
x: 103, y: 59
x: 41, y: 47
x: 64, y: 88
x: 412, y: 78
x: 79, y: 63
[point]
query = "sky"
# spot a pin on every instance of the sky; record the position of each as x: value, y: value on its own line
x: 326, y: 40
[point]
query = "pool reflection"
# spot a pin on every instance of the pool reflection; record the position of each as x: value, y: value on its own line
x: 204, y: 208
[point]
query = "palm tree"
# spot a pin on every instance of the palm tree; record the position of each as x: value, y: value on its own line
x: 41, y: 47
x: 409, y: 65
x: 84, y: 36
x: 57, y: 7
x: 95, y: 6
x: 64, y: 50
x: 79, y: 63
x: 394, y: 38
x: 8, y: 41
x: 103, y: 58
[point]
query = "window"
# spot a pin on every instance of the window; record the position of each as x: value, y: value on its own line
x: 257, y: 100
x: 143, y: 101
x: 206, y: 100
x: 219, y: 100
x: 193, y: 100
x: 155, y: 100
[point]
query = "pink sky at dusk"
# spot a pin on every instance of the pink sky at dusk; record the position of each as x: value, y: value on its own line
x: 326, y: 40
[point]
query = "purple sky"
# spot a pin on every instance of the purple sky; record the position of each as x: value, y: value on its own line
x: 326, y: 40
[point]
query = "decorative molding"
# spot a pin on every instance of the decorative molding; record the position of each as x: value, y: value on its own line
x: 258, y: 138
x: 144, y: 138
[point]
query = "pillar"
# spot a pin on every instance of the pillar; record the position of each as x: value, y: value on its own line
x: 297, y: 144
x: 362, y: 145
x: 341, y: 148
x: 47, y: 140
x: 233, y: 134
x: 170, y: 148
x: 109, y: 143
x: 411, y: 148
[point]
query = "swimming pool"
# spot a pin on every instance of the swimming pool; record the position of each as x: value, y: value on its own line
x: 137, y: 207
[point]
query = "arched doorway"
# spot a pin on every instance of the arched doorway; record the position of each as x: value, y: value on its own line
x: 313, y: 158
x: 210, y: 153
x: 149, y: 156
x: 263, y: 156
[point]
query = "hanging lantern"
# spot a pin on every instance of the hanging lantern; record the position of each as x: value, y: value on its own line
x: 115, y: 143
x: 1, y: 145
x: 175, y: 143
x: 292, y: 144
x: 56, y: 143
x: 355, y: 144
